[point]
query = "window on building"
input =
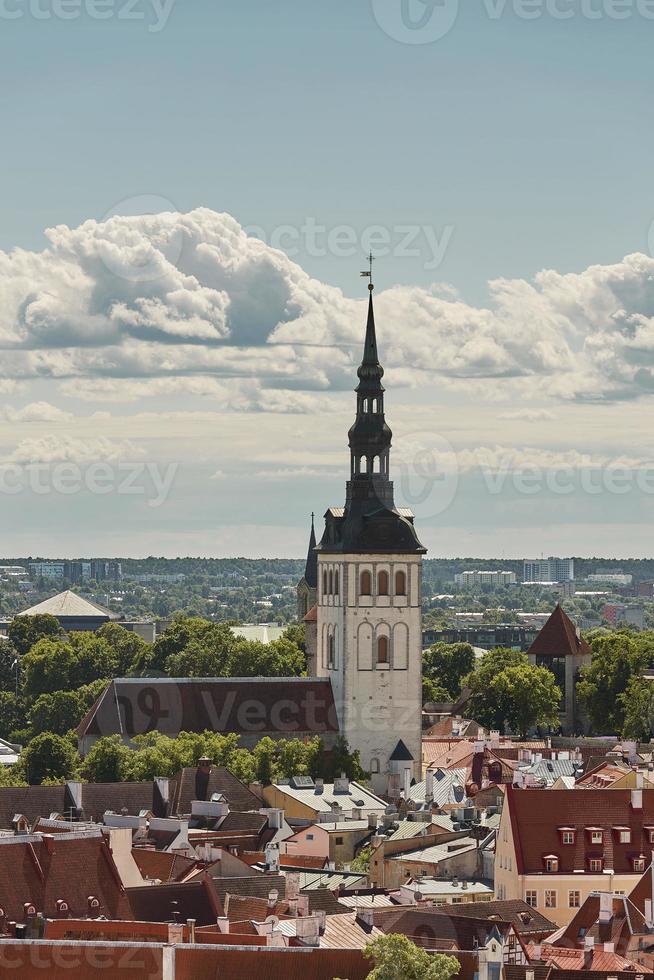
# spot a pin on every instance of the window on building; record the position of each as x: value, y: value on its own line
x: 596, y: 837
x: 339, y: 841
x: 568, y: 836
x: 331, y: 661
x: 324, y: 582
x: 552, y: 864
x: 651, y: 835
x: 531, y: 898
x: 382, y: 583
x: 595, y: 864
x: 400, y: 583
x: 639, y: 864
x: 309, y: 836
x: 550, y: 898
x: 336, y: 582
x: 624, y: 836
x: 366, y: 583
x: 331, y: 583
x: 574, y: 899
x: 382, y: 650
x: 374, y: 766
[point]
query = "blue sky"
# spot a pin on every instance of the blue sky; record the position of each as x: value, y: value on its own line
x: 506, y: 147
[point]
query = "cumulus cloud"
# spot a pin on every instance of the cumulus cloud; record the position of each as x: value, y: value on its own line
x: 36, y: 412
x: 121, y: 309
x: 528, y: 415
x: 59, y: 449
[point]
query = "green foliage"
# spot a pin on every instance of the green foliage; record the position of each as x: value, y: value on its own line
x: 107, y: 762
x: 362, y: 861
x: 637, y: 705
x: 48, y: 757
x: 617, y: 659
x: 529, y: 696
x: 67, y: 664
x: 9, y: 664
x: 13, y: 718
x: 57, y: 712
x: 446, y: 664
x: 126, y: 648
x: 396, y: 957
x: 484, y: 706
x: 25, y: 631
x: 433, y: 692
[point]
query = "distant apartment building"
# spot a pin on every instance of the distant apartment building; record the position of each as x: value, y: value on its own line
x: 76, y: 571
x: 611, y: 578
x: 548, y: 570
x: 618, y: 614
x: 475, y: 578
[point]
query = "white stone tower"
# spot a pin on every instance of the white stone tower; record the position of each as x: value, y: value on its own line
x: 369, y: 621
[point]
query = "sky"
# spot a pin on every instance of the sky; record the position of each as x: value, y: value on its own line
x: 188, y: 189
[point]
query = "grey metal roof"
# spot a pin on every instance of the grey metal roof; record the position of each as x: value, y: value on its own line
x: 70, y: 605
x: 449, y: 787
x: 550, y: 769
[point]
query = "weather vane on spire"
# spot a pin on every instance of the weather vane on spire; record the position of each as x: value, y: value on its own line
x: 368, y: 273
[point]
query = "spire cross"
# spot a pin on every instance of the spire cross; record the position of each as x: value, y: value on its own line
x: 368, y: 273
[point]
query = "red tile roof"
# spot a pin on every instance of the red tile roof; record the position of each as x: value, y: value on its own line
x: 536, y: 817
x: 558, y: 638
x: 41, y: 870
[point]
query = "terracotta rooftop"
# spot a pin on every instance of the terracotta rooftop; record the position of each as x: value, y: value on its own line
x: 558, y: 638
x: 537, y: 815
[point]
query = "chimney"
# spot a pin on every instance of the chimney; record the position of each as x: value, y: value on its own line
x: 162, y: 785
x: 223, y: 923
x: 319, y: 785
x: 342, y: 784
x: 606, y: 907
x: 191, y: 930
x: 429, y: 786
x: 307, y: 930
x: 292, y: 906
x: 536, y: 952
x: 204, y: 763
x: 372, y: 821
x: 406, y: 782
x: 292, y: 885
x: 273, y: 895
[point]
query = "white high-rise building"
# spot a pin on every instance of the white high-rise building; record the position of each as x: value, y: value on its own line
x: 548, y: 570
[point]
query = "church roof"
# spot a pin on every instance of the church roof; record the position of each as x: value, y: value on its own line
x: 559, y: 638
x: 311, y: 567
x: 69, y: 605
x: 401, y: 753
x: 288, y: 706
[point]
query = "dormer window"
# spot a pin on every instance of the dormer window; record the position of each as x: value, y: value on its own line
x: 639, y: 864
x: 596, y: 835
x: 623, y: 835
x: 596, y: 865
x: 650, y: 834
x: 568, y: 835
x: 551, y: 863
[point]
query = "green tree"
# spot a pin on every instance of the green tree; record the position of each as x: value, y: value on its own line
x: 281, y: 658
x: 108, y: 761
x: 48, y: 757
x: 637, y: 705
x: 529, y: 696
x: 362, y: 861
x: 447, y: 664
x: 433, y: 692
x: 484, y: 707
x: 57, y: 712
x: 617, y: 659
x: 13, y: 717
x: 172, y: 641
x: 128, y: 648
x: 396, y: 957
x: 25, y: 631
x: 329, y: 765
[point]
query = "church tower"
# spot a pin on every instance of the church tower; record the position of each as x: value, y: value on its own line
x: 369, y: 619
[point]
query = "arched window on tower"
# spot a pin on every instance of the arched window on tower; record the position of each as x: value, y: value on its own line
x: 324, y: 582
x: 382, y: 650
x: 374, y: 766
x: 376, y: 465
x: 366, y: 583
x: 336, y: 582
x: 331, y: 583
x: 330, y: 656
x: 382, y: 583
x: 400, y: 583
x: 363, y: 464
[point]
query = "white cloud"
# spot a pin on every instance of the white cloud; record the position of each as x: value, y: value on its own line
x: 36, y: 412
x: 58, y: 449
x: 528, y: 415
x: 151, y: 304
